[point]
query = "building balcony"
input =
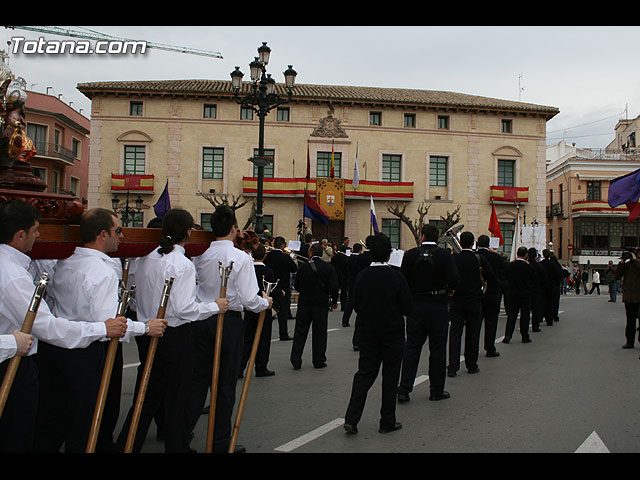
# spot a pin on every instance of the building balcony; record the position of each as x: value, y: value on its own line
x: 595, y: 208
x: 295, y: 187
x: 55, y: 152
x: 132, y: 183
x: 499, y: 194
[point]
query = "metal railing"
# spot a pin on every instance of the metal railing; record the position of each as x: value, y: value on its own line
x: 47, y: 149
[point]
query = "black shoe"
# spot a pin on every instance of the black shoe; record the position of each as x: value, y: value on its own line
x: 346, y: 325
x: 392, y: 428
x: 506, y: 339
x: 296, y: 366
x: 265, y: 373
x: 626, y: 345
x: 349, y: 428
x: 473, y: 370
x: 493, y: 354
x: 403, y: 397
x: 451, y: 374
x: 526, y: 340
x: 536, y: 330
x: 284, y: 339
x: 320, y: 365
x: 205, y: 410
x: 443, y: 395
x: 239, y: 449
x: 550, y: 324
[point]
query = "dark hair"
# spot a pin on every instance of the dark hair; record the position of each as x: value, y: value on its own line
x: 258, y: 252
x: 278, y: 242
x: 357, y: 247
x: 466, y: 239
x: 342, y: 248
x: 16, y: 215
x: 176, y: 224
x: 155, y: 223
x: 367, y: 241
x: 380, y: 247
x: 521, y: 252
x: 532, y: 253
x: 483, y: 241
x: 95, y: 221
x: 308, y: 238
x: 430, y: 232
x: 546, y: 253
x: 316, y: 250
x: 222, y: 220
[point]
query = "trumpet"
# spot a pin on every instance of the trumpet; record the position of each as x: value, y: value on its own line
x: 288, y: 252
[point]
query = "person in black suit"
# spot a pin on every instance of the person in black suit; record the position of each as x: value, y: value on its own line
x: 492, y: 296
x: 339, y: 262
x: 381, y: 299
x: 251, y: 319
x: 363, y: 261
x: 466, y: 306
x: 352, y: 271
x: 521, y: 280
x: 432, y: 276
x: 538, y: 291
x: 317, y: 284
x: 555, y: 274
x: 304, y: 248
x: 283, y: 266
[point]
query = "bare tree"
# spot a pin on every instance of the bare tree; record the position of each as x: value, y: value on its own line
x: 416, y: 225
x: 216, y: 199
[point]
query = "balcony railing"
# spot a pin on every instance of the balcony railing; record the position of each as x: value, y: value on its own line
x: 499, y: 193
x: 132, y: 183
x: 45, y: 149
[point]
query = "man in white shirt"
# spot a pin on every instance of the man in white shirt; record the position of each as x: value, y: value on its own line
x: 242, y: 293
x: 19, y: 223
x: 17, y: 343
x: 170, y: 379
x: 84, y: 287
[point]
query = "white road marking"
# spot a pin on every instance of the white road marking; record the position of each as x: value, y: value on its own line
x: 308, y: 437
x: 593, y: 444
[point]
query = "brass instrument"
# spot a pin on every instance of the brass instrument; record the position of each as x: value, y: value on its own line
x: 451, y: 238
x: 288, y: 252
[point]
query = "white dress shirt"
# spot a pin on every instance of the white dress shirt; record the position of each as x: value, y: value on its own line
x: 85, y: 287
x: 8, y: 347
x: 16, y: 291
x: 242, y: 284
x: 150, y: 275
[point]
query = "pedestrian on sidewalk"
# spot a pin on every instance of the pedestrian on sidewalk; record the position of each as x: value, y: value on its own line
x: 595, y: 282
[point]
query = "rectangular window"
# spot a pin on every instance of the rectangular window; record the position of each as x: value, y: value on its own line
x: 438, y: 171
x: 593, y: 191
x: 507, y: 126
x: 323, y: 164
x: 75, y: 147
x: 55, y: 182
x: 73, y: 185
x: 506, y: 173
x: 282, y: 114
x: 268, y: 169
x: 38, y: 134
x: 205, y: 221
x: 209, y: 111
x: 40, y: 173
x: 134, y: 158
x: 246, y: 113
x: 137, y: 220
x: 135, y: 109
x: 375, y: 118
x: 391, y: 228
x: 391, y: 168
x: 212, y: 162
x: 57, y: 140
x: 507, y: 229
x: 267, y: 220
x: 443, y: 122
x: 410, y: 120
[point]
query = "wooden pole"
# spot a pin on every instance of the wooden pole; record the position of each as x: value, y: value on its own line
x: 146, y: 373
x: 27, y: 325
x: 224, y: 276
x: 125, y: 296
x: 245, y: 388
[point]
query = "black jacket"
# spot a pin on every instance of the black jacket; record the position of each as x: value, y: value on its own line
x: 339, y: 262
x: 282, y: 266
x: 424, y: 277
x: 499, y: 267
x: 470, y: 287
x: 521, y: 278
x: 316, y: 288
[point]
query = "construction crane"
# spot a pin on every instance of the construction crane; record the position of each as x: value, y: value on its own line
x: 91, y: 35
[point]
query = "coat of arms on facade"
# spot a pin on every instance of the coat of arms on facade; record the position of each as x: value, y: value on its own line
x: 329, y: 126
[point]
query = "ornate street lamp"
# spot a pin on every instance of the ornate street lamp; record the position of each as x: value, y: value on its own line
x: 127, y: 213
x: 261, y: 99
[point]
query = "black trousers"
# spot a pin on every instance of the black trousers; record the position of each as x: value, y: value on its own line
x: 316, y: 319
x: 282, y: 304
x: 490, y: 313
x: 18, y: 421
x: 69, y: 384
x: 518, y: 304
x: 264, y: 344
x: 429, y: 320
x: 204, y: 337
x: 343, y: 293
x: 465, y: 316
x: 168, y: 389
x: 538, y: 306
x: 377, y: 349
x: 631, y: 310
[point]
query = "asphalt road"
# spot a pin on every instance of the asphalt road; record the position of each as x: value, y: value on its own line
x: 572, y: 389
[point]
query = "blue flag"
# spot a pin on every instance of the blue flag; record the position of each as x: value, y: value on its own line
x: 314, y: 211
x: 163, y: 205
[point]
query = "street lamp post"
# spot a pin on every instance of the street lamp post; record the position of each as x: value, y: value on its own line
x: 261, y: 99
x: 127, y: 212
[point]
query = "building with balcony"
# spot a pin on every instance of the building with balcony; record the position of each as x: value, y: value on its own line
x: 412, y: 146
x: 61, y: 138
x: 584, y: 230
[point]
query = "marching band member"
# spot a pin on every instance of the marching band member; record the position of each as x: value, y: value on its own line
x: 170, y: 379
x: 283, y: 266
x: 19, y: 223
x: 491, y: 298
x: 16, y: 343
x: 242, y: 293
x: 83, y: 287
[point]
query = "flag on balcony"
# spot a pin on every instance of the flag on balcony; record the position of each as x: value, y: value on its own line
x: 356, y: 171
x: 332, y: 173
x: 374, y: 220
x: 163, y: 205
x: 626, y: 189
x: 314, y: 211
x: 494, y: 226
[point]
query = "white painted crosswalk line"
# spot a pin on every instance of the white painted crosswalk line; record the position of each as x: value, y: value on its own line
x: 593, y: 444
x: 308, y: 437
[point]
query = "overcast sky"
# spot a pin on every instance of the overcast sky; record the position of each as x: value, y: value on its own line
x: 590, y: 73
